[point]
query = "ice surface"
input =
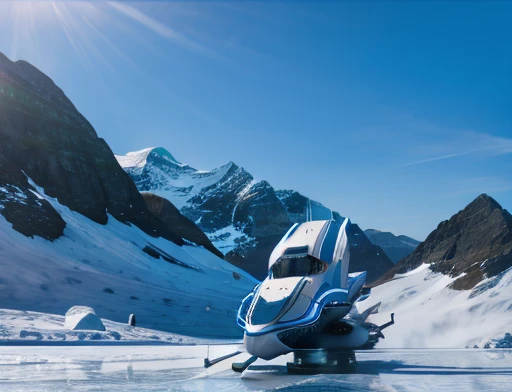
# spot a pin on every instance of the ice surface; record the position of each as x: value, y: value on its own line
x: 179, y: 368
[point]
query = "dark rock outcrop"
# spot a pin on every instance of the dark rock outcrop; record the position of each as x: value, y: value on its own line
x: 172, y: 217
x: 396, y: 247
x: 474, y: 244
x: 261, y: 216
x: 44, y: 136
x: 365, y: 256
x: 21, y: 206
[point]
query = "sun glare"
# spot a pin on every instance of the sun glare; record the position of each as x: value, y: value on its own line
x: 29, y: 22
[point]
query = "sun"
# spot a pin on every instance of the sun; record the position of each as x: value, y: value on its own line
x: 29, y: 26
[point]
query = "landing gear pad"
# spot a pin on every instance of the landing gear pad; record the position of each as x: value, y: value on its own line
x: 309, y: 362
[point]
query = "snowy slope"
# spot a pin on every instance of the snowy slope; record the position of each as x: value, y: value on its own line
x: 429, y: 314
x: 105, y: 267
x: 19, y: 326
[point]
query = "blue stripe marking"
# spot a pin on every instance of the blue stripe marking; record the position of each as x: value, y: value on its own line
x: 290, y: 232
x: 327, y: 251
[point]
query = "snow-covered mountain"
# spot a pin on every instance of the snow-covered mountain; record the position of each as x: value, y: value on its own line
x: 74, y: 229
x: 396, y: 247
x: 244, y: 218
x: 455, y: 289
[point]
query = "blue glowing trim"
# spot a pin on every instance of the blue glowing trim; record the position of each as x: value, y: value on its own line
x: 244, y: 307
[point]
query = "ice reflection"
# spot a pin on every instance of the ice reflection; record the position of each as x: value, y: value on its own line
x: 174, y: 368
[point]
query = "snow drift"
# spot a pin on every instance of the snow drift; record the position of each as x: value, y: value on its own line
x: 429, y: 314
x: 83, y: 318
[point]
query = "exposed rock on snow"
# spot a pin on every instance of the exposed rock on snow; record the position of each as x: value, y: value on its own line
x: 171, y: 216
x: 503, y: 342
x: 83, y: 318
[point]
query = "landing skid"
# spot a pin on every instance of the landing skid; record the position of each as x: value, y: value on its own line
x: 322, y: 362
x: 239, y: 367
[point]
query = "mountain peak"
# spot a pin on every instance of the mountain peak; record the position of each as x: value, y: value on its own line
x: 165, y: 154
x: 485, y: 200
x: 22, y: 74
x: 474, y: 244
x: 139, y: 158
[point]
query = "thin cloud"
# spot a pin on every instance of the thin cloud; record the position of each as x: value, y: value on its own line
x: 487, y: 144
x: 160, y: 28
x: 439, y: 158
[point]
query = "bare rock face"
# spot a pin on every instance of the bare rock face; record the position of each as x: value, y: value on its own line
x: 366, y: 256
x: 474, y: 244
x: 21, y: 206
x: 172, y: 217
x: 45, y: 138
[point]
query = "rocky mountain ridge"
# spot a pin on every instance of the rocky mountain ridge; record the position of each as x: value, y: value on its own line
x: 244, y: 218
x: 45, y: 139
x: 473, y: 245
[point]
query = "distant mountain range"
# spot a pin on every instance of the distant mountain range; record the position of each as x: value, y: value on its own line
x: 244, y: 218
x: 396, y: 247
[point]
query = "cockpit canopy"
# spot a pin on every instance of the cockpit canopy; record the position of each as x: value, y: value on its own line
x: 303, y: 265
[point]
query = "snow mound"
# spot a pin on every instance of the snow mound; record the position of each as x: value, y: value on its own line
x: 83, y: 318
x: 80, y: 310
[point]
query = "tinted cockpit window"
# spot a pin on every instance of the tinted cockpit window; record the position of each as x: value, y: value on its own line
x: 297, y: 266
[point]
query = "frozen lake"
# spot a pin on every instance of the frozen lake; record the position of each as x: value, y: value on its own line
x: 179, y: 368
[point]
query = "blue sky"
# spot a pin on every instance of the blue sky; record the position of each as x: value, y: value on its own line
x: 396, y: 114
